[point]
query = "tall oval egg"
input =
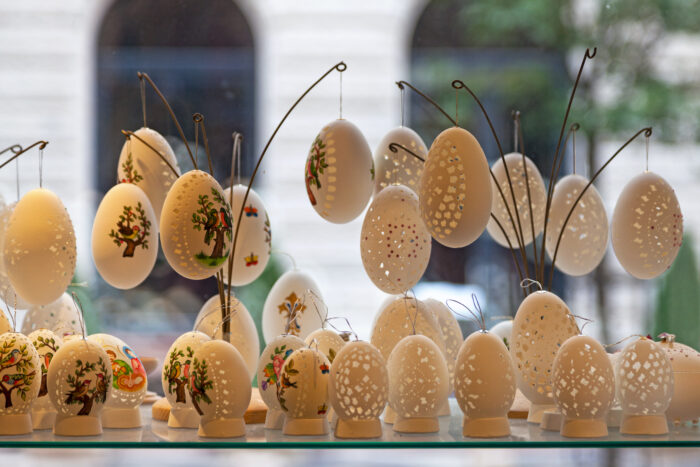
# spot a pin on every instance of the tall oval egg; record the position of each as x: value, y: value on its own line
x: 399, y: 167
x: 6, y: 289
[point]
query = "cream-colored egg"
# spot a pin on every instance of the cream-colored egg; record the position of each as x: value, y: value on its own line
x: 39, y: 247
x: 484, y: 385
x: 394, y: 243
x: 685, y: 362
x: 451, y: 332
x: 59, y: 316
x: 399, y: 167
x: 455, y: 189
x: 289, y: 296
x: 46, y: 343
x: 125, y: 236
x: 585, y: 238
x: 326, y: 341
x: 138, y: 164
x: 20, y: 381
x: 7, y: 292
x: 196, y: 226
x: 220, y: 389
x: 254, y: 237
x: 244, y: 335
x: 504, y: 330
x: 339, y: 172
x: 647, y: 226
x: 5, y: 325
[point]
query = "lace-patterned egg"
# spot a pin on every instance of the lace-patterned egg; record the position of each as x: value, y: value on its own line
x: 399, y: 167
x: 358, y: 390
x: 196, y: 226
x: 138, y: 164
x: 326, y: 341
x: 46, y: 343
x: 418, y: 384
x: 39, y: 248
x: 685, y: 362
x: 59, y: 316
x: 647, y: 226
x: 339, y: 172
x: 541, y: 325
x: 6, y: 289
x: 220, y: 389
x: 451, y: 333
x: 20, y: 382
x: 484, y: 385
x: 585, y: 238
x: 455, y: 189
x: 394, y: 243
x: 537, y: 196
x: 583, y: 387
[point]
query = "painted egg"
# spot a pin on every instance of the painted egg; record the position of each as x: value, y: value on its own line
x: 394, y: 243
x: 129, y: 383
x: 504, y: 331
x: 46, y: 344
x: 5, y: 325
x: 685, y: 363
x: 326, y: 341
x: 7, y: 292
x: 451, y: 332
x: 254, y: 237
x: 339, y: 172
x: 60, y: 316
x: 455, y: 189
x: 196, y: 226
x: 585, y: 238
x: 647, y: 226
x: 244, y: 335
x: 138, y: 164
x: 79, y: 381
x: 20, y: 381
x: 125, y: 237
x: 399, y: 167
x: 39, y: 247
x: 289, y: 300
x: 220, y: 389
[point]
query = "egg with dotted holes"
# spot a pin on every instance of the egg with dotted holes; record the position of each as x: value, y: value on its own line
x: 60, y: 316
x: 399, y: 167
x: 685, y: 363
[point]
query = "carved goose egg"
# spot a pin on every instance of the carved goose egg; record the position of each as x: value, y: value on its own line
x: 339, y: 172
x: 647, y: 226
x: 138, y: 164
x: 451, y: 332
x: 195, y: 226
x: 59, y: 316
x: 399, y: 167
x: 455, y: 189
x: 125, y: 237
x: 20, y: 381
x: 39, y: 248
x: 7, y: 292
x: 46, y: 343
x: 326, y: 341
x: 685, y: 363
x: 394, y: 243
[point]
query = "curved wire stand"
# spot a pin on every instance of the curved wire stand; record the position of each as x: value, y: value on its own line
x: 41, y: 144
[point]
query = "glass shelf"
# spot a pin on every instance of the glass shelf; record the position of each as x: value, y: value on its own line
x: 156, y: 434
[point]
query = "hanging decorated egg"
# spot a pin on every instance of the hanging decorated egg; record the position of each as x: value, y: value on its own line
x: 289, y: 300
x: 541, y: 325
x: 254, y: 237
x: 339, y: 172
x: 303, y: 395
x: 39, y: 248
x: 394, y: 243
x: 517, y: 172
x: 46, y: 343
x: 129, y: 384
x: 455, y: 189
x: 269, y: 369
x: 484, y: 385
x: 196, y: 226
x: 685, y: 363
x: 79, y: 381
x: 219, y: 389
x: 59, y: 316
x: 175, y: 378
x: 125, y: 237
x: 647, y: 226
x: 7, y: 292
x: 326, y: 341
x: 358, y: 390
x: 138, y: 164
x: 399, y: 167
x: 20, y: 381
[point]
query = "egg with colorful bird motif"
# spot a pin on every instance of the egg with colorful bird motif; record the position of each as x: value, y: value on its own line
x: 46, y: 343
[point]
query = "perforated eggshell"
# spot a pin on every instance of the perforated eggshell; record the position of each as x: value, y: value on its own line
x: 394, y: 243
x: 129, y: 379
x: 177, y: 368
x: 196, y: 226
x: 254, y: 237
x: 59, y: 316
x: 326, y: 341
x: 46, y: 343
x: 451, y: 332
x: 39, y: 247
x: 685, y: 363
x: 138, y: 164
x: 339, y: 172
x: 270, y: 366
x: 647, y: 226
x: 7, y: 292
x: 125, y: 236
x: 399, y: 167
x: 20, y: 375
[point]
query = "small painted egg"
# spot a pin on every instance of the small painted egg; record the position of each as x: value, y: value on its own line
x: 46, y: 343
x: 20, y: 382
x: 399, y: 167
x: 326, y: 341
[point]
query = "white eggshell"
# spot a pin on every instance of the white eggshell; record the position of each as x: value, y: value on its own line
x: 20, y: 374
x: 647, y: 226
x: 39, y: 247
x: 7, y: 292
x: 585, y: 238
x: 178, y: 366
x: 129, y: 380
x: 326, y: 341
x: 399, y: 167
x: 146, y: 169
x: 504, y: 330
x: 254, y: 237
x: 125, y: 236
x: 394, y: 243
x: 451, y: 332
x: 455, y: 189
x: 270, y: 367
x: 59, y: 316
x: 645, y: 378
x: 289, y: 294
x: 46, y: 343
x: 194, y: 233
x: 685, y: 362
x: 339, y: 172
